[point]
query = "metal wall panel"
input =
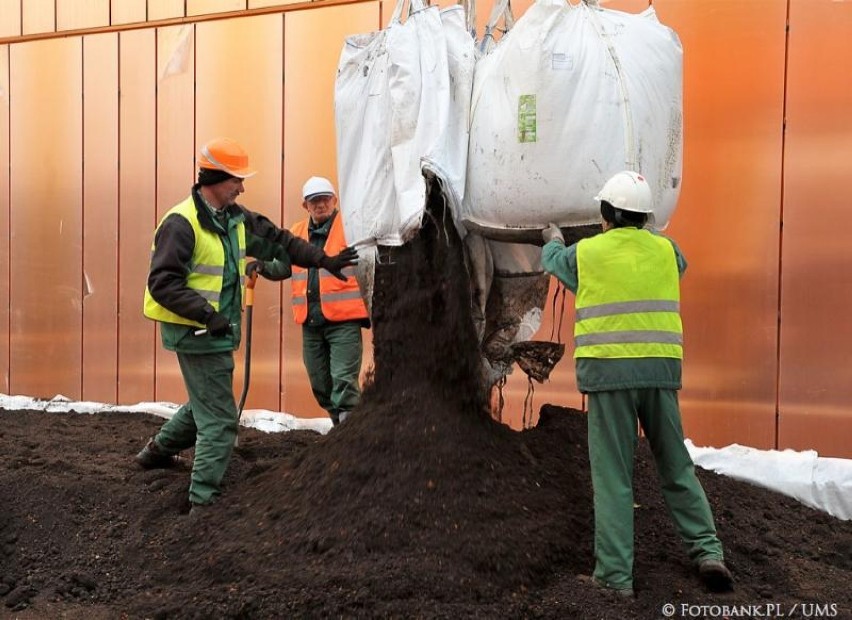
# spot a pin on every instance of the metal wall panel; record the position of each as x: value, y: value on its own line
x: 815, y: 375
x: 259, y: 4
x: 74, y: 14
x: 165, y: 9
x: 727, y: 217
x: 727, y: 221
x: 4, y: 219
x: 10, y: 18
x: 38, y: 16
x: 137, y: 215
x: 248, y: 52
x: 175, y: 157
x: 46, y: 213
x: 204, y: 7
x: 310, y: 147
x: 100, y: 218
x: 128, y: 11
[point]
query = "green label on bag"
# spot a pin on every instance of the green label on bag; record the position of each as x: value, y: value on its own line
x: 526, y: 118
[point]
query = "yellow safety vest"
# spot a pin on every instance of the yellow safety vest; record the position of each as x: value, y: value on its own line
x: 628, y: 296
x: 207, y: 268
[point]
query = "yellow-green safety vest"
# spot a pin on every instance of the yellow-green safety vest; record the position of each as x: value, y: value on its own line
x: 207, y: 269
x: 628, y: 297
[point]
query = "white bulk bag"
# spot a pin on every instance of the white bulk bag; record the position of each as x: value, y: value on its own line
x: 569, y: 96
x: 449, y: 159
x: 395, y: 105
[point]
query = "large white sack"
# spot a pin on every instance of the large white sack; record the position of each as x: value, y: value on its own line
x: 395, y: 105
x: 571, y: 95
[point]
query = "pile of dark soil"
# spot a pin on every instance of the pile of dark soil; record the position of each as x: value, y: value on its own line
x: 408, y: 520
x: 419, y: 505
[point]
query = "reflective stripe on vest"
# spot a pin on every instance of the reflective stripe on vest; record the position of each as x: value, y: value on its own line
x: 628, y: 300
x: 340, y: 300
x: 207, y: 269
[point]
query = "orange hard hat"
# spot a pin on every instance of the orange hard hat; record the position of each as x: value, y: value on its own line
x: 226, y: 155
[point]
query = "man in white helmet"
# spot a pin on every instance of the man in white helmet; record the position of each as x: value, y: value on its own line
x: 628, y: 340
x: 331, y: 311
x: 195, y: 290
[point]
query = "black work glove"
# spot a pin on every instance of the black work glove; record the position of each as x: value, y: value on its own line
x: 254, y: 266
x: 218, y: 325
x: 335, y: 264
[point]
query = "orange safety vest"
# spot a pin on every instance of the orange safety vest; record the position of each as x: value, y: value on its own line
x: 340, y: 300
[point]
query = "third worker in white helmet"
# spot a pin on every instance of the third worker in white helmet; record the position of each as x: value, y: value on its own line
x: 628, y: 347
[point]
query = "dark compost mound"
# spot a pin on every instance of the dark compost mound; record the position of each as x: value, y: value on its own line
x: 419, y: 505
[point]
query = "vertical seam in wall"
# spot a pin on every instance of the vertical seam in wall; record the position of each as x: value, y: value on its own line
x: 82, y: 214
x: 781, y: 231
x: 156, y: 176
x: 9, y: 216
x: 117, y: 209
x: 281, y: 344
x: 118, y: 221
x: 194, y: 92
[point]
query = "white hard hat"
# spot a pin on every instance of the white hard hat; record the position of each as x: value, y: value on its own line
x: 317, y: 186
x: 628, y: 191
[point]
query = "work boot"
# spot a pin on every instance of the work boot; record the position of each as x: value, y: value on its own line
x: 153, y: 457
x: 198, y: 511
x: 715, y: 575
x: 624, y: 593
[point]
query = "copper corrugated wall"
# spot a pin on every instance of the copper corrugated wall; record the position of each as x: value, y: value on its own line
x: 100, y: 218
x: 100, y: 130
x: 815, y: 378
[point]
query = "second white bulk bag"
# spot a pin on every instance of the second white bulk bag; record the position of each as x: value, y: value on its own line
x: 569, y: 96
x: 402, y: 102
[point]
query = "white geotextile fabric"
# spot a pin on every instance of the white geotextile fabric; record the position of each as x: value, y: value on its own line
x: 569, y: 96
x: 819, y: 482
x: 261, y: 419
x: 402, y: 101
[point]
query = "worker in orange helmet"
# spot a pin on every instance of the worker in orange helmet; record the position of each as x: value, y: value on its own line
x: 196, y: 285
x: 331, y: 312
x: 628, y: 344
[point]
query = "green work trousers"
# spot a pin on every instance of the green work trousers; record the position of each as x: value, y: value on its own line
x: 332, y: 356
x: 613, y: 437
x: 208, y: 421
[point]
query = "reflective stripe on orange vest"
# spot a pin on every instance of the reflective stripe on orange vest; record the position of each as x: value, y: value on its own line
x: 340, y: 300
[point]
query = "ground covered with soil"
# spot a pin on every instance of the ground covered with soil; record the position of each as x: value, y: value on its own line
x: 427, y: 517
x: 420, y: 505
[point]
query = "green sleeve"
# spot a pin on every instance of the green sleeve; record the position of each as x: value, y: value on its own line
x: 276, y: 260
x: 679, y: 257
x: 561, y: 262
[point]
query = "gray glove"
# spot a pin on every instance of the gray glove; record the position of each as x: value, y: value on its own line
x: 552, y: 233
